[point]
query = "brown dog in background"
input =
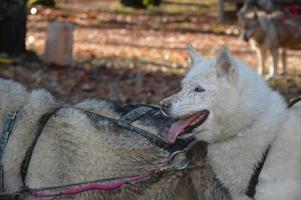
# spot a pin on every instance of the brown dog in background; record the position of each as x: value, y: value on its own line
x: 273, y: 33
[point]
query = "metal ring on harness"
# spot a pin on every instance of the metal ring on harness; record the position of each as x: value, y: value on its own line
x: 182, y: 164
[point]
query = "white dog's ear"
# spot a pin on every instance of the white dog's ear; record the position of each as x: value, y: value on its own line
x: 225, y: 63
x: 194, y: 55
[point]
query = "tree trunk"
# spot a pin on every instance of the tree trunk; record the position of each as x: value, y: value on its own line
x: 12, y: 26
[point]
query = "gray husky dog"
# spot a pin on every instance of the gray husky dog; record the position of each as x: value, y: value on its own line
x: 69, y: 144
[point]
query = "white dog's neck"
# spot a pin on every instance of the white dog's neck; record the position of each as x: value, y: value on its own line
x: 235, y: 158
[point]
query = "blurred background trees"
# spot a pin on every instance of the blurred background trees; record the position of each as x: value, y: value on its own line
x: 12, y: 26
x: 49, y: 3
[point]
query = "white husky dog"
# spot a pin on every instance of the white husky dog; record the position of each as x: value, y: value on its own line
x: 241, y: 118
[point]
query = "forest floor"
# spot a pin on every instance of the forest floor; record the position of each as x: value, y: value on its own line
x: 132, y: 56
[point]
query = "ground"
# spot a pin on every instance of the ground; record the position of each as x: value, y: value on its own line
x: 132, y: 56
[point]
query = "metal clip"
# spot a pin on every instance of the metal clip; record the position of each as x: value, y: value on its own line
x: 167, y: 168
x: 181, y: 162
x: 12, y: 115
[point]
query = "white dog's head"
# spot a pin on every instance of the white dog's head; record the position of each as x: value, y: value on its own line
x: 209, y: 96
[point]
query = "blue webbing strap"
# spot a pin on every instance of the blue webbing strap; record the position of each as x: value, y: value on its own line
x: 7, y: 129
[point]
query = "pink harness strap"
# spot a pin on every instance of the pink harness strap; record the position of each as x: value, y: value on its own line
x: 286, y: 20
x: 95, y: 186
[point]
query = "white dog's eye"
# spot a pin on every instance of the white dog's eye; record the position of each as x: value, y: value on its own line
x: 199, y: 89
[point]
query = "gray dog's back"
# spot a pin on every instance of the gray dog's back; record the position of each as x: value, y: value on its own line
x: 73, y: 148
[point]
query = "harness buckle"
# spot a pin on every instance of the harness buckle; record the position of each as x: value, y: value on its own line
x: 179, y: 160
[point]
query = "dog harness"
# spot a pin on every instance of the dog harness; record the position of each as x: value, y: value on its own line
x: 124, y: 122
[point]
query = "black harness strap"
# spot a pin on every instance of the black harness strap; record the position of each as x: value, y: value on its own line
x: 293, y: 101
x: 137, y: 113
x: 123, y: 123
x: 254, y: 179
x: 25, y: 163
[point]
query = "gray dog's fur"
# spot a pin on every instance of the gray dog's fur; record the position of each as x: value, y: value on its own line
x: 72, y: 148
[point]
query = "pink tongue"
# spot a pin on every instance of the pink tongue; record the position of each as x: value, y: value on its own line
x: 178, y: 127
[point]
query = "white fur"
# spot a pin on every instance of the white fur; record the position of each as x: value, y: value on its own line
x: 246, y: 116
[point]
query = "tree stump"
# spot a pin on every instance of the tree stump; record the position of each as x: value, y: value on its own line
x: 59, y: 44
x: 12, y: 26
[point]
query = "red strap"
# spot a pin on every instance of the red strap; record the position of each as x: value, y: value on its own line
x: 285, y: 19
x: 95, y: 186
